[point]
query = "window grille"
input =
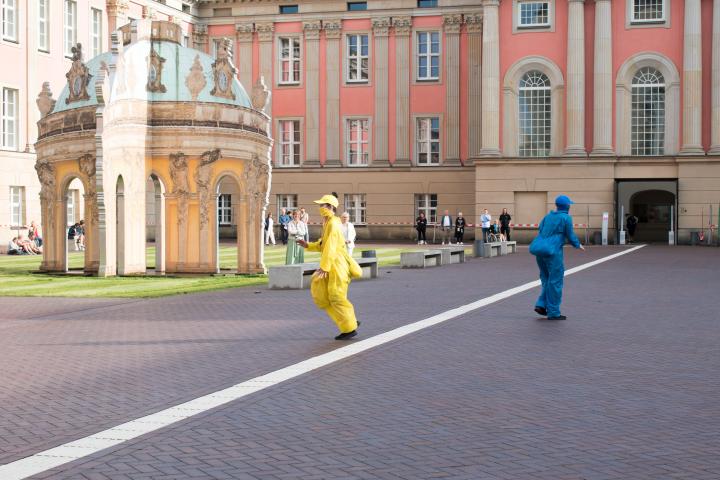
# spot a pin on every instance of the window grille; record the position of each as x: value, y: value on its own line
x: 70, y: 26
x: 535, y: 115
x: 289, y: 143
x: 357, y: 58
x: 43, y: 26
x: 357, y: 134
x: 289, y: 60
x: 648, y: 113
x: 355, y: 206
x: 428, y: 55
x: 428, y: 141
x: 427, y: 203
x: 17, y: 212
x: 96, y: 32
x: 534, y: 14
x: 288, y: 202
x: 649, y: 11
x: 225, y: 209
x: 9, y: 125
x: 9, y: 20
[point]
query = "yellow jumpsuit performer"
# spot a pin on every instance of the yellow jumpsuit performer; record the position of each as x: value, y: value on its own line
x: 330, y: 282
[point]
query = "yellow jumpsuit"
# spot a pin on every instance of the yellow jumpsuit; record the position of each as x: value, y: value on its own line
x: 330, y: 293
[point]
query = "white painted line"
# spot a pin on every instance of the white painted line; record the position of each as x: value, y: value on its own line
x: 83, y: 447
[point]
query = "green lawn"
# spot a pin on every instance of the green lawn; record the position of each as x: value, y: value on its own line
x: 17, y: 279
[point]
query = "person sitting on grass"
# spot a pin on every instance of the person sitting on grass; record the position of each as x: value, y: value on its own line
x: 27, y: 246
x: 14, y: 248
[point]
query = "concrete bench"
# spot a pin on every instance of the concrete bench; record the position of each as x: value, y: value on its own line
x: 452, y: 255
x: 369, y: 267
x: 508, y: 247
x: 493, y: 249
x: 286, y: 277
x: 421, y: 259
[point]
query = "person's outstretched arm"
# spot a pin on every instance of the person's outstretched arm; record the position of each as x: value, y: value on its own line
x: 570, y: 233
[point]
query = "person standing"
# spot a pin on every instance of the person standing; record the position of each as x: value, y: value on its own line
x: 348, y: 230
x: 421, y: 227
x: 34, y: 234
x: 460, y: 229
x: 80, y: 235
x: 269, y: 234
x: 485, y: 220
x: 505, y: 219
x: 446, y: 225
x: 305, y: 218
x: 284, y: 219
x: 631, y: 225
x: 330, y: 282
x: 555, y: 230
x: 296, y: 230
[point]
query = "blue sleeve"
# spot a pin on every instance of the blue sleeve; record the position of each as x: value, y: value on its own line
x: 570, y: 233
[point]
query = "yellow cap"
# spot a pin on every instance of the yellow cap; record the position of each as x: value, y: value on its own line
x: 329, y: 199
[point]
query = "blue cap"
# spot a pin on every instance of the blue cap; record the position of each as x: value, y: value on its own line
x: 563, y: 200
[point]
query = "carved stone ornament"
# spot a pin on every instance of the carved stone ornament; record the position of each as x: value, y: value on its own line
x: 257, y: 183
x: 223, y: 72
x: 46, y: 175
x: 312, y: 30
x: 181, y: 189
x: 473, y: 22
x: 333, y: 28
x: 199, y: 34
x: 203, y: 174
x: 265, y: 31
x: 381, y: 26
x: 155, y: 68
x: 260, y: 94
x: 452, y: 23
x: 87, y: 168
x: 244, y: 32
x: 402, y: 25
x: 44, y: 101
x: 195, y: 81
x: 78, y: 77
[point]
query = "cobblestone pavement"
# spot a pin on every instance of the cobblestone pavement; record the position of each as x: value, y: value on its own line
x: 625, y: 389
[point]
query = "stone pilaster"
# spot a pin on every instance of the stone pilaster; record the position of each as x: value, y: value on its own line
x: 575, y: 121
x: 491, y: 79
x: 381, y: 28
x: 116, y: 11
x: 200, y: 37
x: 312, y: 92
x: 474, y: 33
x: 266, y: 32
x: 403, y: 28
x: 333, y: 30
x: 692, y: 80
x: 451, y: 26
x: 603, y: 81
x: 715, y: 123
x: 243, y: 62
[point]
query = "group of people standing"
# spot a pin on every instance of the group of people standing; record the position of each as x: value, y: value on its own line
x: 455, y: 229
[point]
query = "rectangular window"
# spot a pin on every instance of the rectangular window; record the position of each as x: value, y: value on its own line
x: 357, y: 141
x: 355, y: 206
x: 427, y: 3
x: 289, y: 143
x: 428, y: 55
x: 43, y: 26
x: 428, y: 141
x: 357, y: 58
x: 9, y: 20
x: 186, y: 40
x: 356, y: 6
x: 534, y: 14
x: 288, y: 202
x: 426, y: 203
x: 289, y: 60
x: 216, y: 43
x: 72, y: 196
x: 289, y: 9
x: 225, y: 209
x: 648, y: 11
x: 17, y: 206
x: 9, y: 118
x: 70, y: 26
x: 96, y: 32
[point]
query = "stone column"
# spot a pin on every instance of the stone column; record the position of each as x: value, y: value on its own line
x: 575, y: 122
x: 451, y: 26
x: 692, y: 80
x: 243, y: 62
x: 200, y: 37
x: 265, y: 39
x: 312, y: 92
x: 474, y: 33
x: 116, y: 14
x: 333, y: 29
x: 715, y: 124
x: 491, y: 80
x: 403, y: 28
x: 603, y: 81
x: 381, y: 27
x: 243, y: 235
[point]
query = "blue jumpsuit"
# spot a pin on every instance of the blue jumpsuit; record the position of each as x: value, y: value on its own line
x: 555, y: 230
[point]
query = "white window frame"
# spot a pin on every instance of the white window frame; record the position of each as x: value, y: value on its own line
x: 428, y: 55
x: 43, y: 26
x: 17, y: 206
x: 9, y: 124
x: 421, y: 122
x: 225, y: 209
x: 71, y: 205
x: 424, y: 204
x: 641, y: 149
x: 10, y: 20
x: 96, y: 27
x: 69, y: 26
x: 291, y: 60
x: 647, y: 21
x: 356, y: 206
x: 290, y: 142
x: 359, y: 125
x: 288, y: 201
x: 534, y: 25
x: 215, y: 44
x: 536, y: 131
x: 358, y: 57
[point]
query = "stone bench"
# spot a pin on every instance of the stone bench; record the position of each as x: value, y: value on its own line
x: 493, y: 249
x: 452, y: 255
x: 369, y: 266
x: 298, y: 276
x: 508, y: 247
x: 421, y: 259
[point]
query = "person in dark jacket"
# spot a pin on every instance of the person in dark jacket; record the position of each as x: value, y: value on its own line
x: 505, y: 224
x: 460, y: 229
x: 555, y: 230
x: 421, y: 227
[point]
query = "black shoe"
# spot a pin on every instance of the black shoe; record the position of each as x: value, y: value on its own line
x: 346, y: 336
x: 559, y: 317
x: 359, y: 322
x: 541, y: 311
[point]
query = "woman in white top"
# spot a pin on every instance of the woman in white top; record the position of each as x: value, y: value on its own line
x: 296, y: 231
x: 305, y: 218
x: 269, y: 230
x: 348, y: 230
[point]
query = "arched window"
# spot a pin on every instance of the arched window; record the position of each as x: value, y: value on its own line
x: 648, y: 112
x: 535, y: 115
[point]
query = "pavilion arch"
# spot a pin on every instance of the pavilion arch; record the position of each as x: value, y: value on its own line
x: 159, y: 190
x: 239, y: 212
x: 65, y: 243
x: 623, y: 99
x: 120, y: 225
x: 511, y: 91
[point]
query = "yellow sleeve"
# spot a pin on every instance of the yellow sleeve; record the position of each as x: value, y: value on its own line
x: 332, y: 241
x: 314, y: 246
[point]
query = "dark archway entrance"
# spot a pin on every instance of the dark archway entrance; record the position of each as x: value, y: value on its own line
x: 652, y: 208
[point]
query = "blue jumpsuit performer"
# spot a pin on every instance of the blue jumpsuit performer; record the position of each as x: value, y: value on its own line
x: 555, y: 230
